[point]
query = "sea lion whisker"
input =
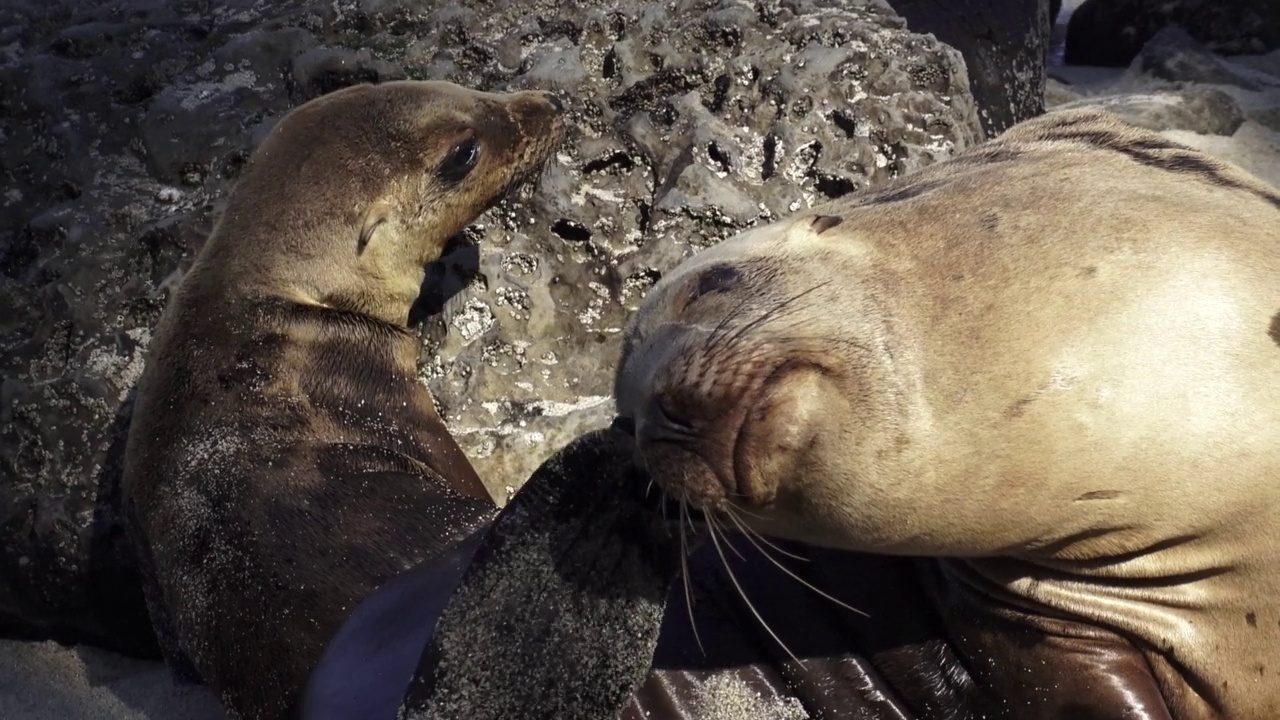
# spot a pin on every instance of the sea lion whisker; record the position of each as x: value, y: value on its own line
x: 801, y: 580
x: 742, y: 593
x: 732, y: 513
x: 744, y: 511
x: 773, y: 312
x: 717, y: 334
x: 684, y: 574
x: 711, y: 520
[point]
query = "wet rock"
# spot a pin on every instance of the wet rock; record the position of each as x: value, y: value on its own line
x: 1057, y: 92
x: 124, y: 124
x: 324, y: 69
x: 1004, y: 44
x: 1203, y: 110
x: 1112, y: 32
x: 1267, y: 117
x: 1176, y: 56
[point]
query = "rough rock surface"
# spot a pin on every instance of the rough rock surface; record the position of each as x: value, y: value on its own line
x: 1227, y: 106
x: 1111, y: 32
x: 124, y: 124
x: 1174, y: 55
x: 1004, y: 45
x: 1175, y: 83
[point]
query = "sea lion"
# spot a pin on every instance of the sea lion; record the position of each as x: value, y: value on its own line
x: 559, y: 613
x: 1051, y: 365
x: 555, y: 609
x: 284, y: 460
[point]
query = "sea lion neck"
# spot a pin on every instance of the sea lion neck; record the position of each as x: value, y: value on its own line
x: 286, y: 270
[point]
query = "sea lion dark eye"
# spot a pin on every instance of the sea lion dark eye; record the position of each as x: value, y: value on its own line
x: 459, y: 162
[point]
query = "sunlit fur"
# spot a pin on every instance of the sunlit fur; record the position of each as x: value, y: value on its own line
x: 324, y: 172
x: 1054, y: 359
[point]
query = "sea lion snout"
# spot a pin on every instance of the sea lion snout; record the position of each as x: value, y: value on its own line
x: 689, y: 414
x: 538, y: 118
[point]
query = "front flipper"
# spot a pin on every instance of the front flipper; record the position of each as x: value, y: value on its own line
x: 559, y: 614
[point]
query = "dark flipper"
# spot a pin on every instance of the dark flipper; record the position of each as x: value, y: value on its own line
x: 559, y: 613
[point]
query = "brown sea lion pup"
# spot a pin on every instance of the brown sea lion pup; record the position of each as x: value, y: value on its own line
x: 284, y: 459
x: 1053, y: 364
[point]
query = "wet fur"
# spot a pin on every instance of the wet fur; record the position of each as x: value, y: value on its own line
x: 999, y: 360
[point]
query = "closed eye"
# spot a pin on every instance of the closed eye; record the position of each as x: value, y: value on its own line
x: 717, y: 278
x: 459, y: 162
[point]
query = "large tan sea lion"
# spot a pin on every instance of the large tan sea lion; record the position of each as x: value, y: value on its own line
x: 284, y: 460
x: 1050, y: 366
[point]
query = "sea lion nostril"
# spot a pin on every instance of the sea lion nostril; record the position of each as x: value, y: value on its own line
x: 555, y: 101
x: 658, y: 424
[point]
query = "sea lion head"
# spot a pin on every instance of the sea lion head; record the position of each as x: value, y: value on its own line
x: 758, y: 383
x: 351, y: 194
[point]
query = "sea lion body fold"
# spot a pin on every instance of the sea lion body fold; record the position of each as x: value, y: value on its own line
x: 284, y: 459
x: 1053, y: 362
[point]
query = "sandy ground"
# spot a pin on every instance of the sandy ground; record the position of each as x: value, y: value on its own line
x: 48, y: 681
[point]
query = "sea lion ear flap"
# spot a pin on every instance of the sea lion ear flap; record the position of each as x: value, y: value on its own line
x: 823, y: 223
x: 378, y: 213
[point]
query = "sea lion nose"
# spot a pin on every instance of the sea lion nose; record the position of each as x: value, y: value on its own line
x: 555, y: 102
x: 656, y: 423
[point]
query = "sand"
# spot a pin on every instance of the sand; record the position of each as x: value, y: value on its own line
x: 48, y: 681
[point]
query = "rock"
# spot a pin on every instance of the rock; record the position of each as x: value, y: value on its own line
x: 1112, y: 32
x: 1057, y: 92
x: 1267, y: 117
x: 1268, y: 65
x: 1175, y: 56
x: 1203, y: 110
x: 190, y: 126
x: 1004, y: 44
x: 325, y: 69
x: 124, y: 124
x: 676, y: 148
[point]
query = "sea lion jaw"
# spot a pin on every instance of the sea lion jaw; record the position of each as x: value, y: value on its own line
x: 780, y: 430
x: 418, y: 161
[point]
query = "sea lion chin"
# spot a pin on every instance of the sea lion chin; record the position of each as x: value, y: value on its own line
x: 1050, y: 362
x: 284, y: 460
